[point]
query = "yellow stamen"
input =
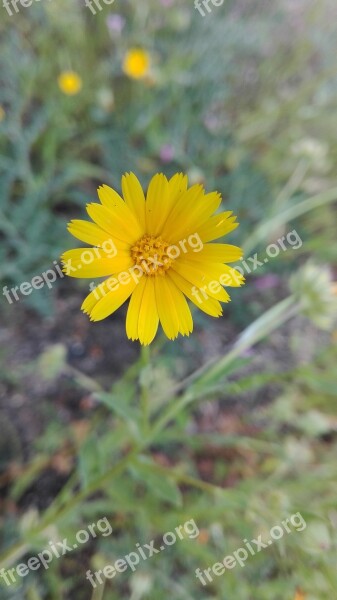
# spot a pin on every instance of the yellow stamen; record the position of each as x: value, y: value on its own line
x: 150, y: 253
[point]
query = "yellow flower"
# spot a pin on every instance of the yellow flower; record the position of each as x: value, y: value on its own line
x: 155, y: 249
x: 2, y: 113
x: 136, y: 63
x: 299, y: 595
x: 70, y: 83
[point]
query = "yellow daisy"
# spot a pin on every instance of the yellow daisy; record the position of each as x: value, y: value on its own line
x: 157, y: 250
x: 70, y: 83
x: 136, y: 63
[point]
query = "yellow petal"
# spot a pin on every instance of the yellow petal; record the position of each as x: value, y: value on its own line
x: 148, y: 315
x: 207, y: 305
x: 109, y: 197
x: 174, y: 313
x: 181, y: 212
x: 199, y: 277
x: 113, y: 299
x: 192, y: 219
x: 217, y: 253
x: 115, y: 222
x: 142, y: 316
x: 132, y: 316
x: 192, y: 214
x: 94, y: 262
x: 217, y: 226
x: 224, y: 274
x: 97, y: 293
x: 156, y: 200
x: 177, y: 185
x: 120, y: 209
x: 90, y: 233
x: 134, y: 197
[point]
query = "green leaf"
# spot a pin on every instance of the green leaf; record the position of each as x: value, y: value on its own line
x: 91, y: 461
x: 118, y: 405
x: 162, y: 486
x: 52, y: 362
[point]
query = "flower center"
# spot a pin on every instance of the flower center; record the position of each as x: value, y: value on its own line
x: 150, y: 253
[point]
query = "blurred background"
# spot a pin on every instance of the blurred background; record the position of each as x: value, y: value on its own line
x: 243, y: 98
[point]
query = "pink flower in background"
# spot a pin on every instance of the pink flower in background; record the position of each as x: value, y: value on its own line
x: 166, y: 153
x: 167, y: 3
x: 115, y: 23
x: 267, y: 282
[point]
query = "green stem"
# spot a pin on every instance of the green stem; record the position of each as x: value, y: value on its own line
x: 252, y: 334
x: 264, y: 325
x: 100, y: 482
x: 144, y: 387
x: 99, y: 592
x: 260, y: 328
x: 187, y: 479
x: 292, y: 212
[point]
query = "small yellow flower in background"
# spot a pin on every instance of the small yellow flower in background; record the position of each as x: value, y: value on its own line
x: 2, y: 113
x: 156, y: 250
x: 70, y: 83
x: 136, y: 63
x: 299, y: 595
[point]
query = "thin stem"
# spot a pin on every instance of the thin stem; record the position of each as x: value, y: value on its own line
x: 16, y: 551
x: 268, y: 322
x: 288, y: 214
x: 99, y: 591
x: 144, y: 387
x: 293, y: 183
x: 186, y: 479
x: 276, y: 316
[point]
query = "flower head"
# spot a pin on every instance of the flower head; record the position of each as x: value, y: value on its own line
x: 70, y: 83
x: 2, y: 113
x: 314, y: 290
x: 136, y: 63
x: 156, y: 250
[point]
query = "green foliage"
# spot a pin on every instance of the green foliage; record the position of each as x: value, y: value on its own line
x: 245, y: 98
x: 214, y: 113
